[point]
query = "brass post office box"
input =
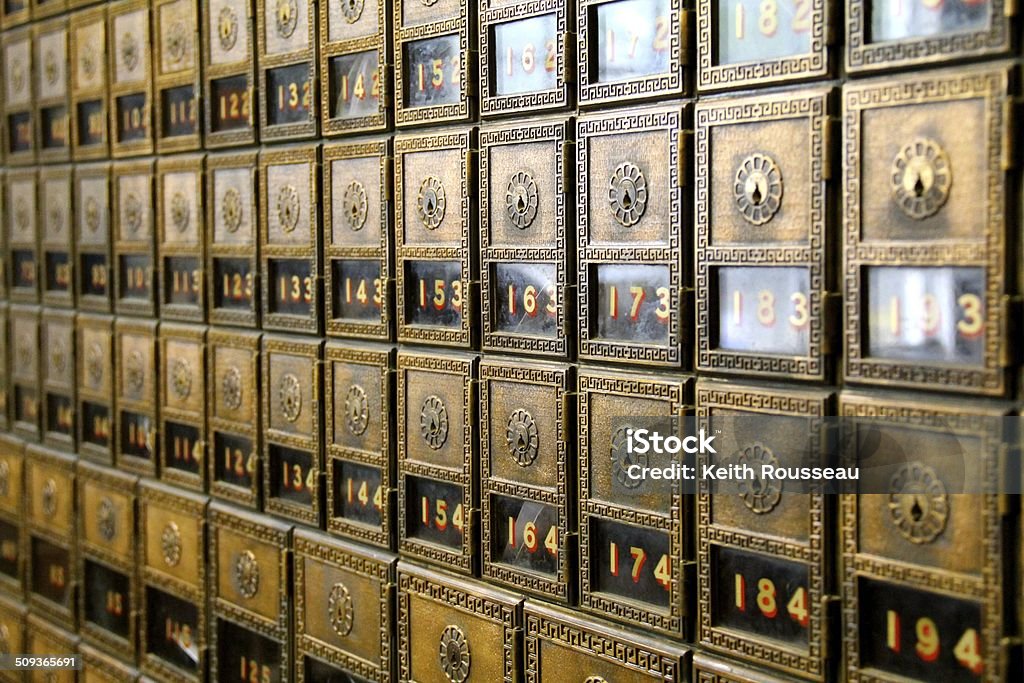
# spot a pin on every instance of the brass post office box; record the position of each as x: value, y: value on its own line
x: 355, y: 67
x: 89, y: 114
x: 95, y: 383
x: 291, y: 238
x: 24, y: 366
x: 560, y: 646
x: 925, y: 562
x: 748, y: 44
x: 22, y: 236
x: 131, y: 84
x: 57, y: 343
x: 56, y: 238
x: 287, y: 35
x: 435, y: 62
x: 632, y: 222
x: 12, y: 515
x: 528, y: 476
x: 764, y: 548
x: 526, y: 215
x: 4, y: 256
x: 763, y: 212
x: 250, y: 595
x: 44, y: 638
x: 19, y: 98
x: 183, y: 405
x: 14, y: 12
x: 12, y: 634
x: 359, y: 431
x: 632, y: 49
x: 435, y: 245
x: 136, y: 443
x: 344, y: 609
x: 172, y: 552
x: 438, y: 469
x: 924, y: 280
x: 108, y: 602
x: 134, y: 221
x: 181, y: 235
x: 291, y: 391
x: 52, y: 542
x: 358, y: 241
x: 233, y: 413
x: 50, y: 40
x: 635, y: 554
x: 710, y: 669
x: 229, y: 71
x: 92, y: 236
x: 232, y: 255
x: 449, y: 627
x: 5, y: 376
x: 98, y: 667
x: 176, y: 85
x: 885, y: 35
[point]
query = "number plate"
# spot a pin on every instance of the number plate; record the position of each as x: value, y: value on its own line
x: 51, y: 93
x: 523, y: 204
x: 24, y: 368
x: 50, y: 504
x: 44, y: 639
x: 343, y: 607
x: 232, y: 263
x: 631, y: 49
x: 56, y: 237
x: 527, y: 542
x: 183, y: 405
x: 131, y: 86
x: 95, y: 384
x: 931, y: 198
x: 19, y: 128
x: 472, y: 623
x: 763, y: 208
x: 176, y: 75
x: 293, y: 431
x: 22, y: 233
x: 631, y: 297
x: 436, y: 463
x: 357, y: 239
x: 228, y: 73
x: 135, y: 433
x: 134, y: 227
x: 287, y: 31
x: 92, y: 237
x: 180, y: 244
x: 88, y: 66
x: 58, y: 378
x: 12, y: 623
x: 435, y: 238
x: 290, y: 239
x: 355, y: 48
x: 360, y: 446
x: 173, y: 635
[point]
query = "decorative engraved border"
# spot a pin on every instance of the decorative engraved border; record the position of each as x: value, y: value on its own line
x: 40, y: 31
x: 146, y: 329
x: 161, y: 81
x: 292, y: 131
x: 28, y: 156
x: 211, y: 72
x: 194, y: 164
x: 80, y: 20
x: 127, y: 247
x: 214, y: 251
x: 143, y: 86
x: 103, y: 325
x: 457, y: 111
x: 195, y: 419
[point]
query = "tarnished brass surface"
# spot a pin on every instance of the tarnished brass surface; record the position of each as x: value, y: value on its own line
x: 131, y: 82
x: 229, y: 63
x: 87, y: 46
x: 50, y: 534
x: 56, y: 237
x: 711, y: 669
x: 135, y: 425
x: 12, y: 634
x: 19, y: 130
x: 181, y: 235
x: 182, y: 429
x: 287, y: 38
x: 98, y: 667
x: 95, y: 382
x: 93, y: 276
x: 43, y: 638
x: 5, y: 378
x: 354, y: 66
x: 57, y: 334
x: 232, y: 255
x: 176, y: 65
x: 50, y: 41
x: 22, y: 231
x: 12, y: 516
x: 24, y: 366
x: 134, y: 229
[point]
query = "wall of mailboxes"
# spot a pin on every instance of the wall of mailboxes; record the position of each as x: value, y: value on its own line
x: 217, y: 303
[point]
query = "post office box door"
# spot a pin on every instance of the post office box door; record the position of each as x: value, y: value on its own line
x: 50, y: 484
x: 106, y: 503
x: 173, y: 538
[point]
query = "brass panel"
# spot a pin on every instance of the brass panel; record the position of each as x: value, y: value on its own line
x: 180, y: 242
x: 98, y: 667
x: 55, y: 238
x: 762, y: 206
x: 19, y: 129
x: 434, y: 50
x: 12, y: 634
x: 293, y: 435
x: 528, y: 476
x: 11, y: 477
x: 355, y: 74
x: 50, y: 529
x: 134, y: 225
x: 22, y: 235
x: 57, y: 337
x: 5, y: 378
x: 656, y: 67
x: 88, y: 46
x: 50, y: 40
x: 3, y: 234
x: 229, y: 62
x: 711, y: 669
x: 359, y: 431
x: 287, y: 34
x: 359, y: 270
x: 25, y: 371
x: 633, y: 225
x: 176, y: 84
x: 761, y: 533
x: 131, y: 83
x: 44, y: 638
x: 291, y: 268
x: 435, y: 238
x: 233, y: 414
x: 14, y: 13
x: 926, y: 191
x: 231, y: 253
x: 525, y: 221
x: 135, y: 427
x: 437, y: 461
x: 12, y: 516
x: 93, y: 236
x: 344, y: 609
x: 447, y: 625
x: 183, y: 405
x: 46, y: 8
x: 616, y: 511
x: 95, y: 384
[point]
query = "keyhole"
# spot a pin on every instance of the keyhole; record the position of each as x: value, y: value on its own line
x: 627, y: 198
x: 454, y: 656
x: 520, y: 204
x: 756, y: 195
x: 918, y: 187
x: 520, y: 442
x: 916, y: 511
x: 756, y: 486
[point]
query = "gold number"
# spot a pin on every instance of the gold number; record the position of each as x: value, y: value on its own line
x: 972, y: 324
x: 766, y: 308
x: 766, y: 598
x: 800, y: 316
